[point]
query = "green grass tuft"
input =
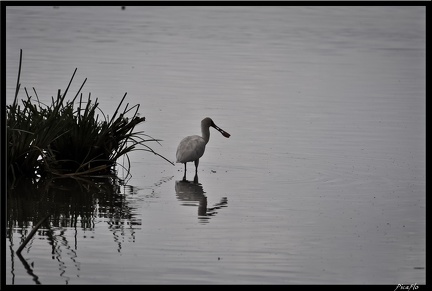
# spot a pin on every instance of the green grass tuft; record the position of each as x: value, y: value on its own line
x: 66, y: 138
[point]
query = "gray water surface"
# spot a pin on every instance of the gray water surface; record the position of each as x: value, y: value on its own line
x: 321, y: 182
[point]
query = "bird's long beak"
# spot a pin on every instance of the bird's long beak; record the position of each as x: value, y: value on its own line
x: 224, y: 133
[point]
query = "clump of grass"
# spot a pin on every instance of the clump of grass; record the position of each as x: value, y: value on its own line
x: 63, y: 139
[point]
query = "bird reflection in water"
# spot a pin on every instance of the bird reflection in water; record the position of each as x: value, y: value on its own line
x: 192, y: 194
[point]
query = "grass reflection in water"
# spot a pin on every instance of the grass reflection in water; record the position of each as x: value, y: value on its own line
x: 70, y: 203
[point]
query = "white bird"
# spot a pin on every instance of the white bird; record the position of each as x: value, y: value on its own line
x: 191, y: 148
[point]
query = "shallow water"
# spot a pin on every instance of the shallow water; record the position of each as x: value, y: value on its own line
x: 321, y: 182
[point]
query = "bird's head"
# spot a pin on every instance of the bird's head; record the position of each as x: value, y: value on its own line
x: 207, y: 122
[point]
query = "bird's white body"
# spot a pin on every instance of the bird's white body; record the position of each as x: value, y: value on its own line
x: 192, y: 148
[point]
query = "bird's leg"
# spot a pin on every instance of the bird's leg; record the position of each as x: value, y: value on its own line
x: 184, y: 177
x: 196, y: 166
x: 196, y: 171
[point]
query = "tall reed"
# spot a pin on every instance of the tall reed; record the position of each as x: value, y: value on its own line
x: 62, y: 139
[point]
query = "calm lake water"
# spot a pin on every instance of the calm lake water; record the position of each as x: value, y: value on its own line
x: 321, y: 182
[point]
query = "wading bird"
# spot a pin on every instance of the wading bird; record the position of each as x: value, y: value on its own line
x: 191, y: 148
